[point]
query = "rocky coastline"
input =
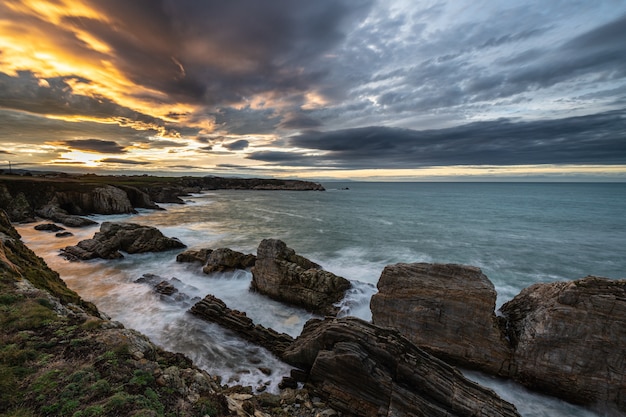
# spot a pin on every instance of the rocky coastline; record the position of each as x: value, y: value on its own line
x: 68, y: 199
x: 565, y: 339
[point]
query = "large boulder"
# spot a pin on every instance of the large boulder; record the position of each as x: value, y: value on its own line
x: 215, y: 310
x: 115, y: 237
x: 447, y: 309
x: 55, y: 213
x: 285, y: 276
x: 225, y: 259
x: 365, y: 370
x: 194, y: 255
x: 570, y: 340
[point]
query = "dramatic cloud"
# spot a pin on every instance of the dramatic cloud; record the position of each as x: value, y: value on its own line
x: 237, y: 145
x: 122, y: 161
x: 596, y: 139
x: 329, y: 84
x: 94, y: 145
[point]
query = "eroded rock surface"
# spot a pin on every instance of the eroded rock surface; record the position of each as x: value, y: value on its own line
x: 285, y: 276
x: 194, y: 255
x: 215, y: 310
x: 447, y: 309
x: 115, y: 237
x: 365, y: 370
x: 225, y: 259
x: 570, y: 339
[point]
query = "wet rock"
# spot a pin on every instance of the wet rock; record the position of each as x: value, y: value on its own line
x: 285, y: 276
x: 165, y: 288
x: 55, y: 213
x: 194, y: 255
x: 365, y: 370
x: 225, y: 259
x: 64, y: 234
x: 446, y: 309
x: 49, y: 227
x: 215, y: 310
x: 115, y: 237
x: 570, y: 340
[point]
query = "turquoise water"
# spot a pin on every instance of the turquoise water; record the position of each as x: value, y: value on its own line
x: 518, y: 233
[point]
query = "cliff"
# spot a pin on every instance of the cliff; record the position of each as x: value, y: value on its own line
x: 64, y: 199
x: 60, y: 356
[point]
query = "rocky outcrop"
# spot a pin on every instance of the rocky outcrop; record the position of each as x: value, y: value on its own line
x: 115, y: 237
x: 225, y: 259
x: 447, y: 309
x: 49, y: 227
x: 285, y: 276
x: 138, y: 198
x: 17, y: 207
x: 194, y: 255
x: 55, y: 213
x: 105, y: 199
x: 570, y: 340
x: 215, y: 310
x: 365, y: 370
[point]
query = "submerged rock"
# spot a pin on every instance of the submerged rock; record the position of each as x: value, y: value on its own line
x: 115, y: 237
x: 285, y: 276
x: 447, y: 309
x: 55, y: 213
x: 365, y: 370
x: 570, y: 340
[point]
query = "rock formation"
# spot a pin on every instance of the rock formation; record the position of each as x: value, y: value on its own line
x: 49, y: 227
x: 447, y: 309
x: 215, y: 310
x: 225, y: 259
x: 285, y: 276
x: 194, y: 255
x: 570, y: 340
x: 365, y: 370
x: 56, y: 214
x: 115, y: 237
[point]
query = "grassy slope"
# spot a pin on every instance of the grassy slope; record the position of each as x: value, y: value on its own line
x: 62, y: 359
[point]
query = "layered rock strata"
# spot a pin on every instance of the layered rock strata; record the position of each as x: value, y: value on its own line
x: 570, y: 340
x: 225, y: 259
x: 285, y: 276
x: 215, y: 310
x: 194, y: 255
x: 447, y: 309
x: 365, y: 370
x: 115, y: 237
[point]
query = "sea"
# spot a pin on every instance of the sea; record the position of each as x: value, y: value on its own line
x: 517, y: 233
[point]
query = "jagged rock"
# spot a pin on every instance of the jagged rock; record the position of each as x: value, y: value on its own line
x: 165, y: 288
x: 365, y: 370
x: 570, y: 340
x: 162, y: 194
x: 49, y: 227
x: 285, y: 276
x: 215, y: 310
x: 115, y: 237
x: 105, y: 199
x: 446, y: 309
x: 194, y: 255
x: 18, y: 208
x: 55, y: 213
x: 138, y: 198
x: 225, y: 259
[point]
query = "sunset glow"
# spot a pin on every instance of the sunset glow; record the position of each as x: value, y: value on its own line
x: 332, y: 91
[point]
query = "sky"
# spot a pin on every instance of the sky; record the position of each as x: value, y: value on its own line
x: 346, y: 89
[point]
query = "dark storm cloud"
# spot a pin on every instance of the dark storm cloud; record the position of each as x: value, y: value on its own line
x: 94, y: 145
x: 122, y: 161
x: 299, y: 121
x: 56, y: 97
x: 286, y: 158
x: 221, y: 52
x: 6, y: 152
x: 237, y: 145
x: 595, y: 139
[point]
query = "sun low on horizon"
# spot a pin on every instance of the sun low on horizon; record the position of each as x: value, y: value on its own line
x: 343, y: 89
